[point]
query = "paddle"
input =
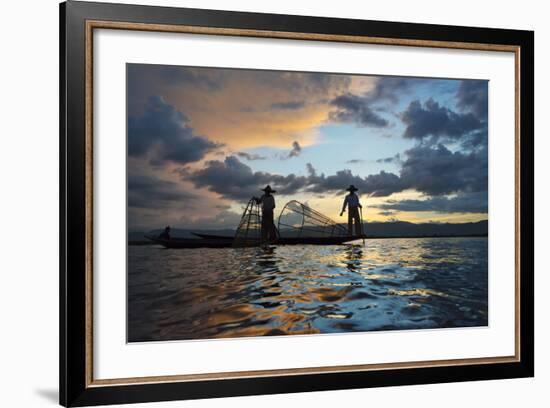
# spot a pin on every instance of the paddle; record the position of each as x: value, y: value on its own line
x: 362, y: 226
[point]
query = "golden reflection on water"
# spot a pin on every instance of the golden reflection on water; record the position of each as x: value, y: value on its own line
x: 415, y: 292
x: 388, y: 284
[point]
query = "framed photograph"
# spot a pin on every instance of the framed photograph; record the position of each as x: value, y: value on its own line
x: 256, y: 204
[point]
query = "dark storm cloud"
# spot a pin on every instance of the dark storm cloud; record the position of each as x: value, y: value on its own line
x: 293, y: 105
x: 434, y: 171
x: 391, y: 89
x: 425, y: 122
x: 382, y: 184
x: 178, y: 76
x: 438, y: 171
x: 477, y: 140
x: 235, y: 180
x: 362, y: 109
x: 311, y: 170
x: 295, y: 151
x: 355, y: 109
x: 250, y: 156
x: 392, y: 159
x: 171, y: 75
x: 472, y: 96
x: 429, y: 170
x: 152, y: 192
x: 163, y: 134
x: 462, y: 203
x: 387, y: 213
x: 377, y: 185
x: 436, y: 121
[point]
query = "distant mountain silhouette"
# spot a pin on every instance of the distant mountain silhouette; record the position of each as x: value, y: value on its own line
x: 393, y: 229
x: 408, y: 229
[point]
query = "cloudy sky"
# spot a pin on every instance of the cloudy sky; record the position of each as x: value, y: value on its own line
x: 202, y: 141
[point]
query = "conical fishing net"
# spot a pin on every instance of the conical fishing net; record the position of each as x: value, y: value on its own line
x: 297, y: 220
x: 249, y: 230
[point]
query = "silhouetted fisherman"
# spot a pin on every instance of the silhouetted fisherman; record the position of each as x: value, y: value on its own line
x: 269, y: 232
x: 352, y: 202
x: 166, y: 233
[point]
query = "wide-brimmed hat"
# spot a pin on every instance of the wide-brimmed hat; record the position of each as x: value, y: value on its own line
x: 352, y: 188
x: 268, y: 189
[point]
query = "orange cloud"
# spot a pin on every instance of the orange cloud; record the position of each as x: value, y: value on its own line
x: 255, y: 108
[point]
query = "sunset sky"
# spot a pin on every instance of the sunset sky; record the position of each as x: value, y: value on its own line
x: 202, y: 141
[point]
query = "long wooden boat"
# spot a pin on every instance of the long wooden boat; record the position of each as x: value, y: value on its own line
x: 216, y: 241
x: 210, y: 236
x: 190, y: 242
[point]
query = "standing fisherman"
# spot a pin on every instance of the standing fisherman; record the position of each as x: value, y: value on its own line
x: 352, y: 201
x: 269, y: 232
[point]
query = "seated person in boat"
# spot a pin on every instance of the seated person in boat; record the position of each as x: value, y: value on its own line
x: 269, y: 232
x: 166, y: 233
x: 352, y: 202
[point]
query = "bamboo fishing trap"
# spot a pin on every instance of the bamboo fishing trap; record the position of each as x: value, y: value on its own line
x: 297, y: 224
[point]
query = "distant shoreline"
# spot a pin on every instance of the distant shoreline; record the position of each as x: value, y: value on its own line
x: 148, y: 242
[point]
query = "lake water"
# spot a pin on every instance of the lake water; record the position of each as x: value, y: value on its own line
x: 388, y: 284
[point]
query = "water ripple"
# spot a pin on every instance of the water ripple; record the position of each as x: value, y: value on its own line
x: 390, y: 284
